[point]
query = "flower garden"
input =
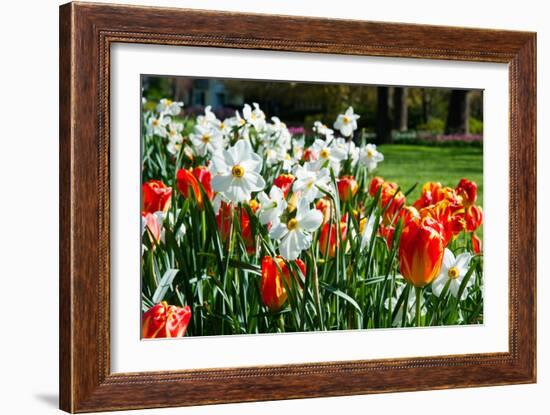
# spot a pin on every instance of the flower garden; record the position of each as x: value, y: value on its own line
x: 248, y: 228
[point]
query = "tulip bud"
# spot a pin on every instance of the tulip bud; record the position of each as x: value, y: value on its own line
x: 163, y: 320
x: 284, y: 182
x: 347, y: 188
x: 468, y: 191
x: 476, y: 244
x: 323, y: 206
x: 272, y: 287
x: 156, y: 196
x: 203, y: 175
x: 474, y: 218
x: 152, y: 226
x: 329, y: 239
x: 224, y: 218
x: 186, y: 183
x: 421, y: 249
x: 374, y: 185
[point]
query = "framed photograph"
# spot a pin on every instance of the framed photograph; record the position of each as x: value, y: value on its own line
x: 260, y: 207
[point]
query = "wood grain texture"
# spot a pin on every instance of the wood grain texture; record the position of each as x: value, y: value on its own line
x: 86, y: 33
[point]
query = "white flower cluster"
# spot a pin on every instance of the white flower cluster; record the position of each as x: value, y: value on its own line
x: 240, y: 150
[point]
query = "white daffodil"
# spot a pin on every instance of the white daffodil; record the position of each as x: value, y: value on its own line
x: 255, y: 117
x: 169, y: 107
x: 367, y: 229
x: 370, y: 156
x: 322, y: 129
x: 349, y: 148
x: 295, y: 235
x: 208, y: 119
x: 205, y: 140
x: 157, y: 125
x: 308, y: 181
x: 453, y: 270
x: 278, y: 133
x: 174, y: 145
x: 326, y: 151
x: 239, y: 123
x: 272, y: 206
x: 237, y: 172
x: 346, y: 123
x: 409, y: 305
x: 174, y: 137
x: 298, y: 147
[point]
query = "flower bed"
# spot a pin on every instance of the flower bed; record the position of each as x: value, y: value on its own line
x: 248, y: 227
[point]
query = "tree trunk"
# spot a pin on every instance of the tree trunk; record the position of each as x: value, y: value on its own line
x: 459, y: 112
x: 383, y: 121
x: 400, y: 114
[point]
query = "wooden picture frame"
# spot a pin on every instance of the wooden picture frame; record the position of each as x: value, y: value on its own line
x: 86, y: 33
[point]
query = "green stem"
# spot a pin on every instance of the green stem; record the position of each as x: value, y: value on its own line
x: 418, y: 294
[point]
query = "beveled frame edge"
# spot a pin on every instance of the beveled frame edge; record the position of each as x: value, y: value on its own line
x: 86, y: 33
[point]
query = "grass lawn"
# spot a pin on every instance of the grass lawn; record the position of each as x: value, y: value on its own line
x: 408, y: 164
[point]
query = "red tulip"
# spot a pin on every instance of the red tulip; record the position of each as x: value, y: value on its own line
x: 163, y: 320
x: 391, y: 199
x: 374, y: 185
x: 347, y: 188
x: 468, y: 191
x: 407, y: 213
x: 329, y: 239
x: 474, y: 218
x: 476, y: 244
x: 272, y: 287
x: 187, y: 183
x: 224, y: 218
x: 428, y: 196
x: 387, y: 233
x: 450, y: 216
x: 284, y: 182
x: 203, y: 175
x: 309, y: 155
x: 156, y: 196
x: 421, y: 249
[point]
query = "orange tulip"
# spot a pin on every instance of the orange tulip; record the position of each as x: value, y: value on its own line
x: 272, y: 287
x: 323, y: 205
x: 329, y: 239
x: 374, y: 185
x: 163, y: 320
x: 449, y: 215
x: 387, y: 233
x: 476, y: 244
x: 390, y: 198
x: 284, y: 182
x: 468, y: 191
x: 224, y: 219
x: 428, y: 196
x: 474, y: 218
x: 203, y: 175
x: 156, y: 196
x: 407, y: 214
x: 254, y: 205
x: 421, y: 251
x: 347, y: 188
x: 186, y: 183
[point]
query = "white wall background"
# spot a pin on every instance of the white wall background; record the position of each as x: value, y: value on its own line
x: 29, y: 205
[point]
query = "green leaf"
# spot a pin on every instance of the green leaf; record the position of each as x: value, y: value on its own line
x: 164, y: 284
x: 342, y: 295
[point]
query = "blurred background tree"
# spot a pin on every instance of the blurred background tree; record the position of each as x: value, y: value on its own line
x: 388, y: 113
